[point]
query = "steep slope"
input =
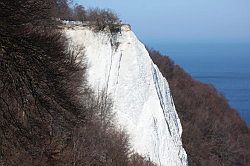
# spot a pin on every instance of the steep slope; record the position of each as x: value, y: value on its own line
x: 120, y: 65
x: 213, y: 132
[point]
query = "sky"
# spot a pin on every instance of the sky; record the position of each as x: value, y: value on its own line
x: 182, y: 20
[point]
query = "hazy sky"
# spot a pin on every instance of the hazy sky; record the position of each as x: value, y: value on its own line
x: 182, y: 20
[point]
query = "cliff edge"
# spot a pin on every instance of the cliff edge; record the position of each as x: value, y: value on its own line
x: 120, y: 64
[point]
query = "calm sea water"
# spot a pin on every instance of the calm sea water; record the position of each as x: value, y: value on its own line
x: 225, y: 65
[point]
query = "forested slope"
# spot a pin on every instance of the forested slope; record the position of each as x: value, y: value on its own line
x: 213, y: 132
x: 48, y: 114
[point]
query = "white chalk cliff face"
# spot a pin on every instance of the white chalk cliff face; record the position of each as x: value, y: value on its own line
x: 143, y: 104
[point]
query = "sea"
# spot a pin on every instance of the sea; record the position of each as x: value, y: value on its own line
x: 224, y: 65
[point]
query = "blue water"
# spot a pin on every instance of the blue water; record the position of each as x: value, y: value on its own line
x: 225, y: 65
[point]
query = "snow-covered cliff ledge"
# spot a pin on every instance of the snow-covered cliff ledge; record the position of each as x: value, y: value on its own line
x: 143, y: 104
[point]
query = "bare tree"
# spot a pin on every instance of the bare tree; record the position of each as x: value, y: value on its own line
x: 79, y: 13
x: 102, y: 17
x: 62, y: 10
